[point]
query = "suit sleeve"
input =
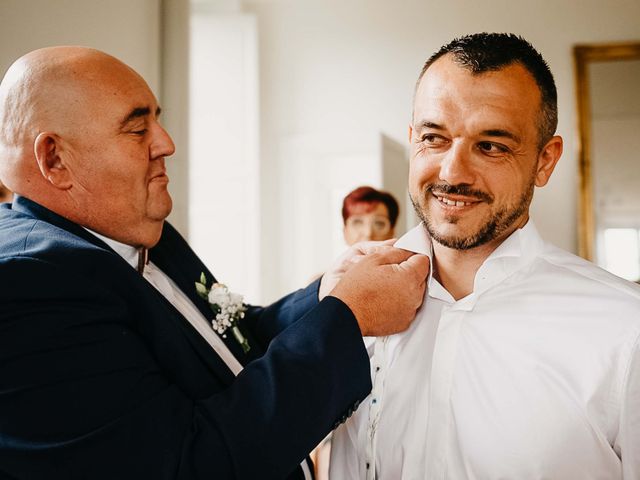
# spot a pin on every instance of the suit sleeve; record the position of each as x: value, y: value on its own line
x: 85, y: 394
x: 267, y: 322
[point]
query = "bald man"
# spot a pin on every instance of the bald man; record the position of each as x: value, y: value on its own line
x: 109, y: 367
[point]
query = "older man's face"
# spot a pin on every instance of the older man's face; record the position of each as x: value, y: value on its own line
x: 474, y: 152
x: 116, y: 155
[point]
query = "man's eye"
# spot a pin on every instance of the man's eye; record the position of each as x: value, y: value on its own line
x: 432, y: 139
x: 492, y: 148
x: 139, y: 132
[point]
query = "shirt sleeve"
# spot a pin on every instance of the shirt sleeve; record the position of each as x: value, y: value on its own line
x: 267, y: 322
x: 628, y: 444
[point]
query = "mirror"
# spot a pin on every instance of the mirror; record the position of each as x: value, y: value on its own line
x: 608, y: 89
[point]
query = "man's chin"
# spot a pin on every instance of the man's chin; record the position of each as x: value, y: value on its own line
x: 160, y: 210
x: 153, y: 237
x: 455, y: 237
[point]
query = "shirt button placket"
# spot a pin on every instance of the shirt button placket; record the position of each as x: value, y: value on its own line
x: 375, y: 405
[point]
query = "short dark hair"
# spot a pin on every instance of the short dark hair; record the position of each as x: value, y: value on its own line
x: 484, y: 52
x: 370, y: 196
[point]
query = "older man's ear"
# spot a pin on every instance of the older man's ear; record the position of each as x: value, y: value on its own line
x: 49, y: 152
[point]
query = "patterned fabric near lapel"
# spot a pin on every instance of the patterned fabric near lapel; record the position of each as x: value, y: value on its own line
x: 175, y: 258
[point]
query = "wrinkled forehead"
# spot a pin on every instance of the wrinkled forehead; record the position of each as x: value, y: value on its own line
x: 105, y: 79
x: 102, y: 89
x: 447, y: 86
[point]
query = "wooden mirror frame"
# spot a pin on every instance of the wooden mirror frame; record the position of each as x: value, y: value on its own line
x: 583, y: 55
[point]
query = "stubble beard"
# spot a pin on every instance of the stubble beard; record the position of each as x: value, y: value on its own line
x: 494, y: 227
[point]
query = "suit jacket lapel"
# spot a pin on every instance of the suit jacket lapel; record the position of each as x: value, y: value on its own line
x: 174, y: 257
x: 213, y: 362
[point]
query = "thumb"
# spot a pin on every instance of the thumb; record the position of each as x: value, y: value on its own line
x: 419, y: 263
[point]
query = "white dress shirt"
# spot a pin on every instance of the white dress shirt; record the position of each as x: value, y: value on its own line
x: 534, y: 375
x: 181, y: 302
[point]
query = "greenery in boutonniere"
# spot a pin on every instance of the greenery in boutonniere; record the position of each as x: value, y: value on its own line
x: 227, y: 308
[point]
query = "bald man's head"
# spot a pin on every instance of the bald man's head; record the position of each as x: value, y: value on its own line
x: 50, y: 89
x: 79, y: 134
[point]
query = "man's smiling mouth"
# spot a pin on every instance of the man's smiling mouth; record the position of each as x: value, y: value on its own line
x: 454, y: 203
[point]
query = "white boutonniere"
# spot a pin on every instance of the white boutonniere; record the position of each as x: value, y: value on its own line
x: 227, y: 308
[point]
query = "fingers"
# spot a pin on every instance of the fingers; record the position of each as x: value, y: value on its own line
x: 390, y: 255
x: 420, y: 300
x: 419, y: 264
x: 384, y: 289
x: 372, y: 246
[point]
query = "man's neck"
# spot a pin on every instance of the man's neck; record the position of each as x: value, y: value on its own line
x: 456, y: 269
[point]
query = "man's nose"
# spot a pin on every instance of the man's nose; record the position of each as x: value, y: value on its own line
x: 456, y: 167
x: 162, y: 145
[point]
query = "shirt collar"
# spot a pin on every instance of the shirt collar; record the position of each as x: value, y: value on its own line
x: 127, y: 252
x: 517, y: 250
x: 524, y: 244
x: 417, y: 240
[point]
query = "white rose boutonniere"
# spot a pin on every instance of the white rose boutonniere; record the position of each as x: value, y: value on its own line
x: 227, y: 308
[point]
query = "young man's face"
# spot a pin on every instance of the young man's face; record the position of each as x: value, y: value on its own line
x: 475, y: 156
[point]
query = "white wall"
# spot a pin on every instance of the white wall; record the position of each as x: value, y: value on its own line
x: 224, y: 166
x: 335, y: 70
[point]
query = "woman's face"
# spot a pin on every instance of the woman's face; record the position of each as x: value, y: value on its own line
x: 368, y: 221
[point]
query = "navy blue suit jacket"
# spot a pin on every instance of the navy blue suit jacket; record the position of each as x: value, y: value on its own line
x: 101, y: 378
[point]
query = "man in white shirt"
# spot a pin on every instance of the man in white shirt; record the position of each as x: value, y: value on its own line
x: 523, y: 362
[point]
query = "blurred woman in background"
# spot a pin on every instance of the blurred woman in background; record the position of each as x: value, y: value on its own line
x: 369, y: 214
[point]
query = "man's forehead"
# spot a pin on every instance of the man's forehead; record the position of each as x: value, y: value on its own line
x: 446, y: 72
x: 450, y: 87
x: 140, y: 112
x: 126, y: 98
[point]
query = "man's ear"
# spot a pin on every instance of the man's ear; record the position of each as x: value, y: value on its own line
x: 410, y: 133
x: 547, y: 160
x: 49, y: 151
